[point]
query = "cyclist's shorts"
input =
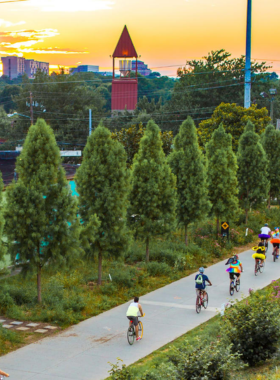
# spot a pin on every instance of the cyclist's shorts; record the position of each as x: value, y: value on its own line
x: 258, y: 256
x: 198, y: 291
x: 232, y: 275
x: 134, y: 320
x: 276, y: 245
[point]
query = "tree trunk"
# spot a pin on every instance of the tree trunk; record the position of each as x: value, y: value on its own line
x: 147, y: 250
x: 269, y: 198
x: 218, y: 225
x: 39, y: 293
x: 186, y: 235
x: 246, y: 213
x: 99, y: 281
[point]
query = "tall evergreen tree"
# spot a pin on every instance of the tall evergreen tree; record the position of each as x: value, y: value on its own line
x: 252, y: 169
x: 153, y: 195
x: 103, y: 186
x: 41, y: 222
x: 271, y: 143
x: 187, y: 164
x: 222, y: 176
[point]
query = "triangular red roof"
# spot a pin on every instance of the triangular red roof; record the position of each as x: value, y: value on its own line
x: 125, y: 47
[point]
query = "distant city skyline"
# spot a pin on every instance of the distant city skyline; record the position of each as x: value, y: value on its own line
x: 165, y: 33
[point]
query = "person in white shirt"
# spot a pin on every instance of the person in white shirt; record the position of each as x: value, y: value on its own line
x: 265, y: 230
x: 132, y: 314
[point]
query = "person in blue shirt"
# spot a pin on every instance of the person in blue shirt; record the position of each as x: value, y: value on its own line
x: 200, y: 284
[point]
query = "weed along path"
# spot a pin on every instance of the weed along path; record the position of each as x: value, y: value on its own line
x: 82, y: 352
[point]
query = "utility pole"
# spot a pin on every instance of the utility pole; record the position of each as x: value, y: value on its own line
x: 31, y: 108
x: 90, y: 122
x: 248, y: 74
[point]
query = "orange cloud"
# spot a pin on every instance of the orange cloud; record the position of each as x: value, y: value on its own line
x: 20, y: 42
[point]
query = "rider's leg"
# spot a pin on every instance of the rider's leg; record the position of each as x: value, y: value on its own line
x: 136, y: 331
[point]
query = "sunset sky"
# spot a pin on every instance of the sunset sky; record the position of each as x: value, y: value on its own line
x: 164, y: 32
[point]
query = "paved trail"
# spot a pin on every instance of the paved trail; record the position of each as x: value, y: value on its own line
x: 83, y: 351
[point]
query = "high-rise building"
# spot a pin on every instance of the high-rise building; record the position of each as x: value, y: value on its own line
x: 32, y: 66
x: 142, y: 68
x: 14, y: 67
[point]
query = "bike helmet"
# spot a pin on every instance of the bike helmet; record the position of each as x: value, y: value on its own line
x: 266, y: 225
x: 201, y: 270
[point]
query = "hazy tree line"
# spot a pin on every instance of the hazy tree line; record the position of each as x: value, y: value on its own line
x: 64, y: 100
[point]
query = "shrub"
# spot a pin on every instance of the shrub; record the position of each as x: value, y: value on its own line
x: 124, y: 277
x: 252, y: 326
x: 212, y: 361
x: 135, y: 253
x: 158, y: 269
x: 109, y: 289
x: 180, y: 263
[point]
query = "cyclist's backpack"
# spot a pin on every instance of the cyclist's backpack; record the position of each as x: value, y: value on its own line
x: 199, y: 279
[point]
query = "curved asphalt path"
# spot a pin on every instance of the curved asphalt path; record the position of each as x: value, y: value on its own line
x: 83, y: 351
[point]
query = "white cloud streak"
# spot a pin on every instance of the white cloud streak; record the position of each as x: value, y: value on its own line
x: 7, y: 24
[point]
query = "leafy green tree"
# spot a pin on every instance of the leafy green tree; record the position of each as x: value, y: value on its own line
x: 271, y: 143
x: 252, y: 169
x: 206, y: 83
x: 234, y: 119
x: 222, y: 176
x: 6, y: 97
x: 153, y: 195
x: 41, y: 222
x: 187, y: 164
x: 64, y: 102
x: 103, y: 186
x: 130, y: 139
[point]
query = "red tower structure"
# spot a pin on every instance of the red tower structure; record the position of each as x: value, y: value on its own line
x: 124, y: 88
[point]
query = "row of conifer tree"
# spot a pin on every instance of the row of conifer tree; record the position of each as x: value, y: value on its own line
x: 44, y: 223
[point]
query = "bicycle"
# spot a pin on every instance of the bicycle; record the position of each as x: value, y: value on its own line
x: 200, y: 301
x: 266, y: 245
x: 258, y: 266
x: 131, y: 333
x: 274, y: 253
x: 234, y: 285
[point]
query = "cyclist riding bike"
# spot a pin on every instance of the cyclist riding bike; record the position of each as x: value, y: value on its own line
x: 235, y: 268
x: 133, y: 313
x: 260, y: 253
x: 200, y: 284
x: 265, y: 233
x: 275, y: 235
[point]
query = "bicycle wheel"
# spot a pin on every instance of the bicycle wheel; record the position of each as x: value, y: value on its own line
x: 131, y: 335
x: 274, y: 256
x: 198, y: 304
x: 237, y: 285
x: 256, y: 268
x: 266, y: 246
x: 206, y: 300
x: 262, y: 267
x: 231, y: 288
x: 140, y: 329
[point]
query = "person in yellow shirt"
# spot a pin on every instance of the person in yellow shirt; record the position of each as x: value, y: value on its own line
x: 133, y: 313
